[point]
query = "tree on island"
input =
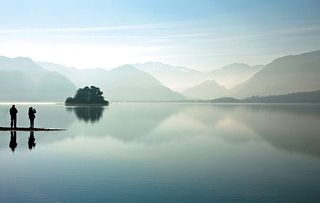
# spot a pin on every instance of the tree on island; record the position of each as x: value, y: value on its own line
x: 88, y: 95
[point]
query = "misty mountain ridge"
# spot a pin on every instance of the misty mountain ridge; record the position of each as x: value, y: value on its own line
x: 128, y: 83
x: 22, y: 79
x: 172, y: 75
x: 121, y: 75
x: 175, y: 77
x: 284, y: 75
x: 78, y: 76
x: 288, y: 74
x: 181, y: 78
x: 294, y: 73
x: 206, y: 90
x: 121, y: 83
x: 296, y: 97
x: 21, y: 64
x: 234, y: 74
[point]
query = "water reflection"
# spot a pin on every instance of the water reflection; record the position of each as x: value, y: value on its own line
x: 31, y: 140
x: 88, y: 113
x: 290, y: 128
x: 180, y: 152
x: 13, y: 140
x: 293, y: 128
x: 127, y: 121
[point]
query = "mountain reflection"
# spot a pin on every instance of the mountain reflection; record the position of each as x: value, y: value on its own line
x: 293, y: 128
x: 88, y: 113
x: 288, y: 128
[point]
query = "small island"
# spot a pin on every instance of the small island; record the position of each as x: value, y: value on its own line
x: 87, y: 96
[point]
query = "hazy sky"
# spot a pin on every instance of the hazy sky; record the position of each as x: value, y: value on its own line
x: 201, y: 34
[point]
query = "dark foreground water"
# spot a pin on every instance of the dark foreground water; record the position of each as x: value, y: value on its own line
x: 139, y: 152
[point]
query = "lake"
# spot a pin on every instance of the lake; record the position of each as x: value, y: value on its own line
x: 163, y: 152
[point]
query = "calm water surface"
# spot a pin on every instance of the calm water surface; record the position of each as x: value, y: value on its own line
x: 140, y: 152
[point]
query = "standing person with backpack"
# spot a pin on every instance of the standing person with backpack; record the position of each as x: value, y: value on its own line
x: 32, y: 116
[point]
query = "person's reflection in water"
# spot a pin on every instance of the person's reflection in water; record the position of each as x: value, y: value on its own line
x: 31, y: 141
x: 88, y: 113
x: 13, y: 140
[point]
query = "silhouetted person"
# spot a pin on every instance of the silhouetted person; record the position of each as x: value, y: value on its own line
x: 13, y: 140
x: 32, y: 116
x: 13, y: 114
x: 31, y: 141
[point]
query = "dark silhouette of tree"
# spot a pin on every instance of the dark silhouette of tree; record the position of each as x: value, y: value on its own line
x: 88, y: 95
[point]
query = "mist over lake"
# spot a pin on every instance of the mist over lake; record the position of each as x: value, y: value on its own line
x: 164, y: 152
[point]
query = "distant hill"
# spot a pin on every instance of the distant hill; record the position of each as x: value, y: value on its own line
x: 182, y: 78
x: 188, y: 82
x: 77, y: 76
x: 175, y: 77
x: 121, y: 83
x: 128, y: 83
x: 151, y: 81
x: 24, y: 80
x: 284, y: 75
x: 299, y: 97
x: 226, y: 100
x: 234, y: 74
x: 205, y: 90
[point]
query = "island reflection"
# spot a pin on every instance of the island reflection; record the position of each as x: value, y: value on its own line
x: 87, y: 114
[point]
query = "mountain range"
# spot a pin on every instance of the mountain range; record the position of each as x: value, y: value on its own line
x: 25, y: 80
x: 295, y: 73
x: 121, y: 83
x: 297, y: 97
x: 234, y: 74
x: 175, y: 77
x: 206, y: 90
x: 289, y: 74
x: 182, y: 78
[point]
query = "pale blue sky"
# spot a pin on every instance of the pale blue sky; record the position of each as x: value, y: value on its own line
x: 202, y: 34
